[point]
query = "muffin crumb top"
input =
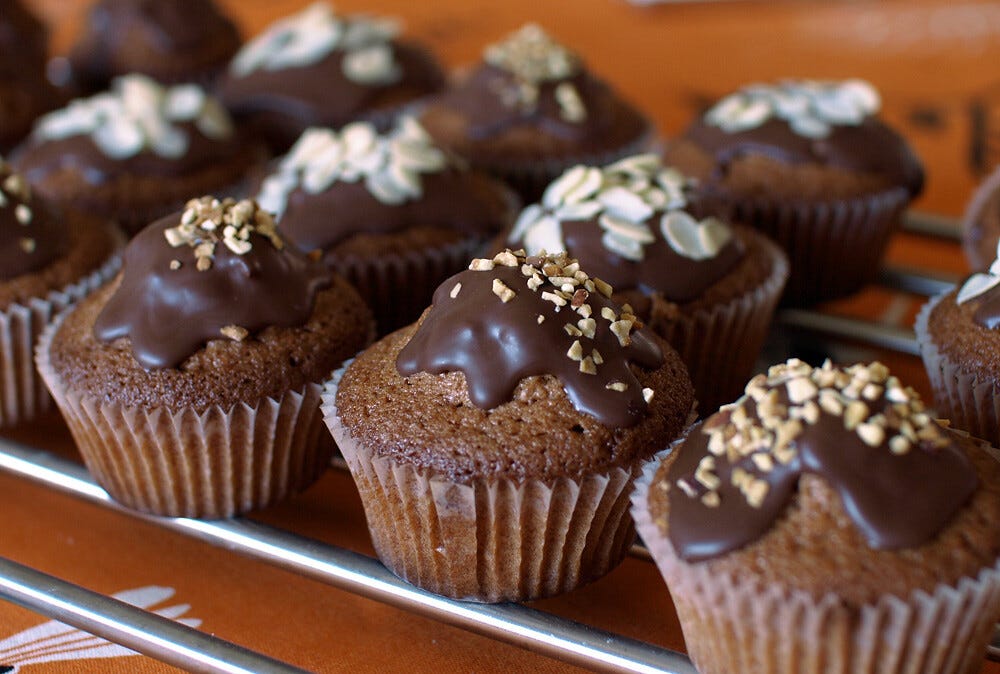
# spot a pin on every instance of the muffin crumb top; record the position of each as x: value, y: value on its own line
x: 514, y: 316
x: 898, y: 471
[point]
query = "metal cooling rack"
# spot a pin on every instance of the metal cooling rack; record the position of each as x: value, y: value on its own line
x: 517, y: 624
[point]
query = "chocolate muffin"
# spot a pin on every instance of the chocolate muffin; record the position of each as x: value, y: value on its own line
x: 826, y: 517
x: 47, y: 262
x: 959, y: 337
x: 811, y: 165
x: 25, y: 92
x: 316, y: 68
x: 981, y: 223
x: 530, y: 111
x: 707, y: 288
x: 190, y: 383
x: 494, y: 442
x: 136, y: 153
x: 392, y: 213
x: 172, y: 42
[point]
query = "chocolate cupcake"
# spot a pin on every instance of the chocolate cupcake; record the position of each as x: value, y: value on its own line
x: 825, y: 520
x: 392, y: 213
x: 25, y: 93
x: 191, y: 383
x: 530, y: 111
x: 316, y: 68
x: 812, y: 166
x: 135, y: 153
x: 494, y: 443
x: 959, y: 337
x: 707, y: 288
x: 172, y: 42
x: 47, y: 262
x: 981, y: 223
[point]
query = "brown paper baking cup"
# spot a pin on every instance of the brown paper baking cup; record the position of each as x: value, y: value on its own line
x: 490, y: 540
x: 185, y: 463
x: 731, y: 625
x: 971, y: 404
x: 834, y: 247
x: 23, y: 395
x: 399, y: 286
x: 719, y: 344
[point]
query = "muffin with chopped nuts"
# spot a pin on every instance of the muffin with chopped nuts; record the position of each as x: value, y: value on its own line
x: 392, y: 213
x: 707, y: 288
x: 47, y: 262
x: 191, y: 383
x: 959, y: 336
x: 136, y: 153
x: 172, y: 42
x: 531, y: 110
x: 495, y: 441
x: 811, y: 165
x: 25, y: 93
x: 316, y: 68
x: 826, y: 517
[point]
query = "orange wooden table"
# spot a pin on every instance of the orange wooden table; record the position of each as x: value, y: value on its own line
x: 933, y: 62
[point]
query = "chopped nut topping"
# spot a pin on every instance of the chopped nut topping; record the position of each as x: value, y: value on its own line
x: 572, y: 330
x: 501, y: 290
x: 575, y: 351
x: 587, y: 366
x: 619, y: 386
x: 202, y: 219
x: 455, y: 290
x: 175, y: 264
x: 235, y: 332
x: 647, y: 394
x: 621, y: 331
x: 481, y: 264
x: 28, y: 245
x: 23, y: 214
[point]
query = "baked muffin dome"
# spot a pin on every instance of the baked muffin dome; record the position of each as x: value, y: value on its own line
x: 706, y: 287
x: 530, y: 110
x: 391, y: 212
x: 136, y: 153
x: 316, y: 68
x: 811, y: 165
x: 171, y: 42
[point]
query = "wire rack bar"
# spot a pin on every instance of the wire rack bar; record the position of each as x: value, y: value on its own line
x: 513, y: 623
x: 142, y: 631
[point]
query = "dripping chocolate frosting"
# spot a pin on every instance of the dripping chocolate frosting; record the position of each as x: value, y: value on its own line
x: 216, y: 270
x: 900, y: 476
x: 513, y: 317
x: 31, y: 236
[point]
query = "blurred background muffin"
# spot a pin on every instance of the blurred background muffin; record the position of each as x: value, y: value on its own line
x: 811, y: 165
x: 317, y: 68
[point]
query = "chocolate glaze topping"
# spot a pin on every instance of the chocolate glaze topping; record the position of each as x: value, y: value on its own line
x: 513, y: 317
x: 899, y: 474
x: 30, y: 234
x: 142, y: 128
x: 119, y: 32
x: 870, y: 146
x: 218, y: 269
x: 627, y: 223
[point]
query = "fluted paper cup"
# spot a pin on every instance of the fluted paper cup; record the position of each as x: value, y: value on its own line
x: 189, y: 463
x: 735, y: 625
x: 834, y: 247
x: 970, y: 402
x: 488, y: 540
x: 23, y: 395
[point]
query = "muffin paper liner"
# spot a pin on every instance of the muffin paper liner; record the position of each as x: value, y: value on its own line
x: 23, y: 395
x: 734, y: 626
x: 834, y: 247
x: 971, y: 404
x: 185, y: 463
x: 493, y: 539
x: 719, y: 344
x: 399, y: 286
